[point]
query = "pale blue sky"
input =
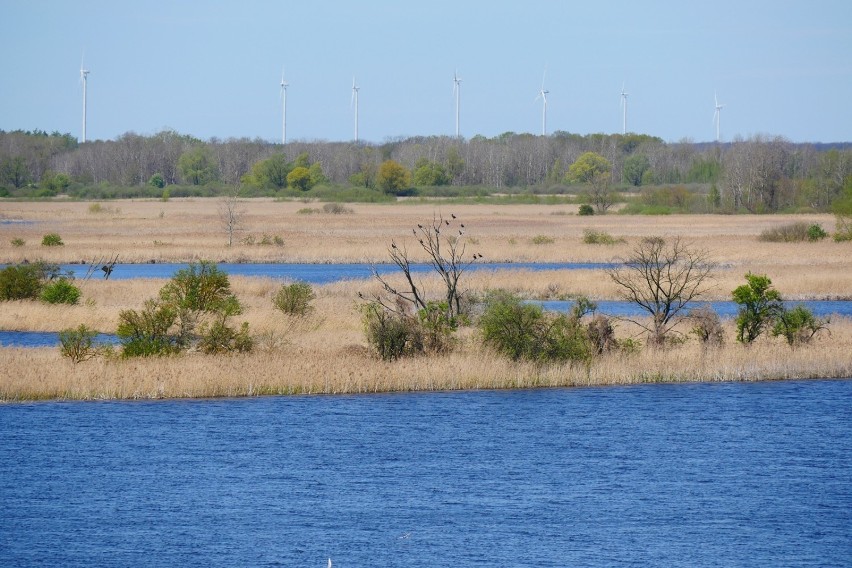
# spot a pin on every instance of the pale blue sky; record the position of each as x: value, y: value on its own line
x: 213, y: 68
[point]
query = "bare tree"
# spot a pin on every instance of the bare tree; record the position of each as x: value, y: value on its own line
x: 443, y: 241
x: 231, y: 215
x: 662, y: 278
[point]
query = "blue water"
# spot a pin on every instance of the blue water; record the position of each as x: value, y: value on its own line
x: 314, y: 273
x: 820, y: 308
x: 737, y: 474
x: 42, y: 338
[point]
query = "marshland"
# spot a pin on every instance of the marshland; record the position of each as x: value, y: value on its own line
x: 326, y: 350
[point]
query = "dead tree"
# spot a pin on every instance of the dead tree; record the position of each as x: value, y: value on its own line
x: 443, y: 241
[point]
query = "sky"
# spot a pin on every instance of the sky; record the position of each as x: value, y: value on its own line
x: 212, y: 69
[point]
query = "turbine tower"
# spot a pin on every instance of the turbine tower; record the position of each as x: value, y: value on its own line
x: 542, y: 94
x: 84, y: 74
x: 457, y: 93
x: 624, y: 108
x: 717, y: 116
x: 284, y: 85
x: 355, y: 89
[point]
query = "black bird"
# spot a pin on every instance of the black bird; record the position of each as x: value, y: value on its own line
x: 462, y: 225
x: 447, y: 222
x: 107, y: 268
x: 453, y: 216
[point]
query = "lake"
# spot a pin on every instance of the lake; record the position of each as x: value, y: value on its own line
x: 732, y: 474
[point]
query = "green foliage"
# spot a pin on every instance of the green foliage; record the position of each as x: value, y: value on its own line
x: 586, y: 209
x: 51, y: 240
x: 299, y: 178
x: 14, y: 171
x: 18, y: 242
x: 797, y: 325
x: 25, y: 281
x: 393, y: 177
x: 437, y: 326
x: 704, y: 170
x: 760, y: 305
x: 523, y: 331
x: 157, y: 180
x: 816, y: 232
x: 78, y: 344
x: 54, y: 183
x: 587, y: 168
x: 295, y: 299
x: 148, y: 332
x: 60, y: 291
x: 542, y: 240
x: 198, y: 166
x: 317, y: 175
x: 391, y: 335
x: 427, y: 173
x: 271, y: 172
x: 634, y: 169
x: 593, y: 237
x: 219, y: 338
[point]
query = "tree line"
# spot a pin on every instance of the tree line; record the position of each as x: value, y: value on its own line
x: 757, y: 174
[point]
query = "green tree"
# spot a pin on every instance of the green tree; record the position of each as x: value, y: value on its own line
x: 271, y: 172
x: 14, y: 171
x: 299, y: 178
x: 634, y: 168
x: 197, y: 166
x: 393, y: 177
x: 797, y: 325
x: 595, y: 171
x: 427, y: 173
x: 316, y: 174
x: 455, y: 163
x: 157, y: 180
x: 760, y: 305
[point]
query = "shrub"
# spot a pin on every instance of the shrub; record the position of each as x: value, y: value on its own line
x: 794, y: 232
x: 542, y: 240
x: 797, y: 325
x: 336, y: 209
x: 60, y: 291
x: 391, y: 335
x: 147, y: 332
x: 52, y: 240
x: 295, y: 299
x: 221, y: 338
x: 18, y: 242
x: 78, y: 344
x: 601, y: 334
x: 843, y: 228
x: 157, y: 180
x: 437, y: 327
x: 586, y: 209
x: 24, y: 281
x: 759, y: 305
x: 707, y: 326
x: 593, y: 237
x: 816, y: 232
x: 523, y: 331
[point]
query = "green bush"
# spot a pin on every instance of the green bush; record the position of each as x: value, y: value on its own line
x: 437, y: 327
x: 60, y: 291
x: 52, y: 240
x: 78, y: 344
x: 221, y: 338
x: 523, y: 331
x: 586, y: 209
x: 18, y: 242
x: 542, y: 240
x: 391, y: 335
x: 797, y: 325
x: 25, y: 281
x: 793, y: 232
x: 148, y: 331
x: 295, y: 299
x: 592, y: 237
x: 816, y: 233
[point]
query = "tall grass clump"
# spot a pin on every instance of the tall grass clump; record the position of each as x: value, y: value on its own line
x: 593, y: 237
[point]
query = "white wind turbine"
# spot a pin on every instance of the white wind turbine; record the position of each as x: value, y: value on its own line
x: 624, y: 108
x: 284, y: 85
x: 354, y: 103
x: 717, y: 116
x: 457, y: 93
x: 84, y: 74
x: 542, y: 94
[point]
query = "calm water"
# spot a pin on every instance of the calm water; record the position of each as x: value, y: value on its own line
x: 680, y: 475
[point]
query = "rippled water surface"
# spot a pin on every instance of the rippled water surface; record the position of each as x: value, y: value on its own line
x: 681, y: 475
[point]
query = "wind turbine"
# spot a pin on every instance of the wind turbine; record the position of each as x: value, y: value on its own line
x: 284, y: 85
x: 717, y: 116
x: 457, y: 93
x: 355, y: 89
x: 84, y: 74
x: 624, y: 107
x: 542, y: 94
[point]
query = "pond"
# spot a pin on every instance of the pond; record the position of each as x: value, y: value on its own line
x: 734, y: 474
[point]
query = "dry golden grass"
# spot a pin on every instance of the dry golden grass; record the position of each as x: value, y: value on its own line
x: 326, y: 352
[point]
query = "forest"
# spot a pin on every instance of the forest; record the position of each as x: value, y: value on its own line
x: 760, y: 174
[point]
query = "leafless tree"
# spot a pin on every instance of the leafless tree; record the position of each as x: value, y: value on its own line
x: 662, y: 278
x: 443, y: 241
x: 231, y: 215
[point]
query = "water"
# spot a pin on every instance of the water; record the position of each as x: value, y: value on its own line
x: 43, y: 338
x: 314, y: 273
x: 820, y: 308
x: 669, y: 475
